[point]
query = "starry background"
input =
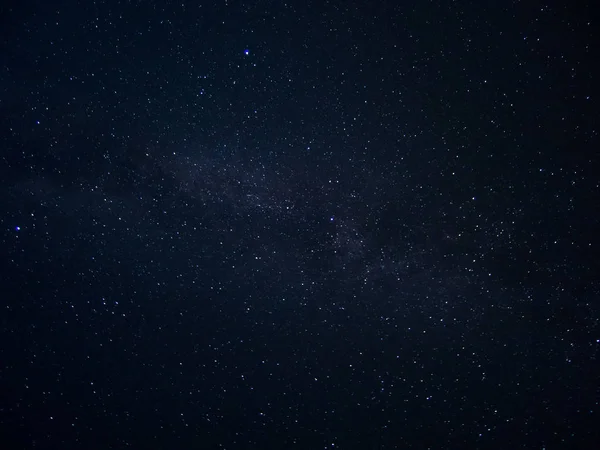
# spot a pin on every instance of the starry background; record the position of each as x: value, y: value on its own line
x: 309, y: 225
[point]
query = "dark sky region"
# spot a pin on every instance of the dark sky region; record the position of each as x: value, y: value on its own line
x: 299, y: 225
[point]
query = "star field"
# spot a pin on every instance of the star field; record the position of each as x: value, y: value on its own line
x: 310, y: 225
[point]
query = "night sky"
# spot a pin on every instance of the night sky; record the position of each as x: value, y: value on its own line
x: 305, y: 225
